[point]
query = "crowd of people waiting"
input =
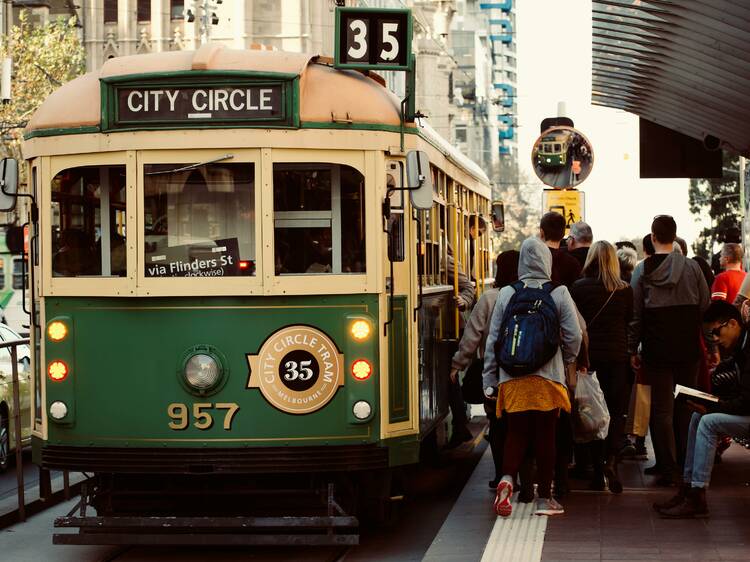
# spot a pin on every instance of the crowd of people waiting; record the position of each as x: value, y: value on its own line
x: 564, y: 308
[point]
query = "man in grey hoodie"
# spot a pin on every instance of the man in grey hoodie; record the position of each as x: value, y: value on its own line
x: 670, y: 295
x: 529, y: 420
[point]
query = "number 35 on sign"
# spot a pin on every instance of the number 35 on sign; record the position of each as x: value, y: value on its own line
x: 373, y: 38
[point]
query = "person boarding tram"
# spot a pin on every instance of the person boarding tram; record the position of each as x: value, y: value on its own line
x: 463, y: 301
x: 532, y: 397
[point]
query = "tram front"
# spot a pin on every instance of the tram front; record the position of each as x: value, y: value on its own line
x: 209, y: 299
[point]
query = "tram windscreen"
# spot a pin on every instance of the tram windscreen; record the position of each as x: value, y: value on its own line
x: 88, y: 222
x: 319, y: 224
x: 199, y: 222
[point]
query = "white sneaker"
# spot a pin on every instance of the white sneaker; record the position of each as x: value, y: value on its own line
x: 548, y: 506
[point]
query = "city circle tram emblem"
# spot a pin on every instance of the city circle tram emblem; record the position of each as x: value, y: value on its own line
x: 298, y: 369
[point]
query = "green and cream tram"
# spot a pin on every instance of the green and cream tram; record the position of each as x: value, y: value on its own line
x: 233, y: 293
x: 552, y: 151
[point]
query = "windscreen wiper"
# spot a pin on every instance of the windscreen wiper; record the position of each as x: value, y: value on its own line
x: 191, y: 166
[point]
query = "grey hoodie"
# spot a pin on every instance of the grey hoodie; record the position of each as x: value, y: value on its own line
x: 669, y: 296
x: 535, y: 269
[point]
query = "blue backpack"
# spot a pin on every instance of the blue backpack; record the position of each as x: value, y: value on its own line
x: 530, y: 331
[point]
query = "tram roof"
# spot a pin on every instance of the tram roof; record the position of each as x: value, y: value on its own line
x: 327, y: 96
x: 325, y: 93
x: 682, y: 64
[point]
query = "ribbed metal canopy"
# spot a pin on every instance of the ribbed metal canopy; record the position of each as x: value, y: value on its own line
x: 684, y: 64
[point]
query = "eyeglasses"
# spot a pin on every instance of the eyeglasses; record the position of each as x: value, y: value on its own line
x: 715, y: 332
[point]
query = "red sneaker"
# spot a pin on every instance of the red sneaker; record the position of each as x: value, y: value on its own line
x: 503, y: 506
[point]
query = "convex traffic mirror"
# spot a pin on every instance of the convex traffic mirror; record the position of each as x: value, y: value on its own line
x: 562, y: 157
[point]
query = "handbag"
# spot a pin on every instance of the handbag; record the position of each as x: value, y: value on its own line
x: 471, y: 385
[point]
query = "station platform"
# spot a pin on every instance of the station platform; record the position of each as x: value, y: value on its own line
x: 599, y: 526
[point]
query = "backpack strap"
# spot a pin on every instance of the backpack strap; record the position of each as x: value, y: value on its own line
x: 517, y: 286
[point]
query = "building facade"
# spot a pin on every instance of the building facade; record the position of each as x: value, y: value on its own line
x: 483, y: 41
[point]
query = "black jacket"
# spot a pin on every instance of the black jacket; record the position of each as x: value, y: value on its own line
x: 565, y: 268
x: 608, y: 333
x: 580, y: 254
x: 739, y: 405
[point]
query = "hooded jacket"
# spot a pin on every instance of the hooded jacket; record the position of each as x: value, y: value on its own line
x: 669, y: 297
x: 535, y: 269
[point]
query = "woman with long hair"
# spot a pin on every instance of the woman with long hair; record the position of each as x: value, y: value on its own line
x: 606, y: 303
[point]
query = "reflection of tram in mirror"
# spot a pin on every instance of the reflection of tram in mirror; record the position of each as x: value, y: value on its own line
x: 562, y: 157
x: 553, y: 150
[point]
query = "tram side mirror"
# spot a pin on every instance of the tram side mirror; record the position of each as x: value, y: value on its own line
x: 419, y: 179
x: 14, y: 240
x: 8, y: 184
x: 498, y: 216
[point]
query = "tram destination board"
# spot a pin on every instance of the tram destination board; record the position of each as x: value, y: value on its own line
x: 235, y: 103
x: 373, y: 38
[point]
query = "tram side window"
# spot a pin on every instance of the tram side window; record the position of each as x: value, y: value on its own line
x: 199, y: 221
x: 88, y: 222
x: 319, y: 219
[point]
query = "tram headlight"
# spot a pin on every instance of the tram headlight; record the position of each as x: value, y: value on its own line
x: 362, y: 410
x: 360, y: 330
x: 202, y: 372
x: 58, y: 410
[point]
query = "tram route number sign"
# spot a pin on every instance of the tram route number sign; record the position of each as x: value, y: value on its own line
x: 373, y: 38
x: 570, y: 203
x: 218, y: 258
x: 188, y: 104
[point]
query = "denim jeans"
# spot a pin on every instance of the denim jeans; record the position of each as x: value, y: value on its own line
x: 705, y: 432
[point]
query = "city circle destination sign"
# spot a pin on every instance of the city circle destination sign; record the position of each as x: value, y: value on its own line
x: 217, y: 103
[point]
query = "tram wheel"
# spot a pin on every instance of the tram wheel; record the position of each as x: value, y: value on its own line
x: 4, y: 440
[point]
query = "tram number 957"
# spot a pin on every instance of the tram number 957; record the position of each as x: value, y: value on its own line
x: 375, y: 38
x: 202, y: 414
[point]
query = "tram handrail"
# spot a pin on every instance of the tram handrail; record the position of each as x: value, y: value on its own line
x: 45, y: 487
x: 13, y: 345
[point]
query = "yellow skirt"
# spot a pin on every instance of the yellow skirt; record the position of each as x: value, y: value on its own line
x: 531, y: 393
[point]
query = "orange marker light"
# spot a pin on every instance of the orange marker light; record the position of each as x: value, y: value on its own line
x: 57, y: 371
x: 57, y: 331
x: 360, y: 330
x: 361, y: 369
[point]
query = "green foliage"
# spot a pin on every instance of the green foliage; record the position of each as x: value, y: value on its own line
x: 44, y: 58
x: 720, y: 200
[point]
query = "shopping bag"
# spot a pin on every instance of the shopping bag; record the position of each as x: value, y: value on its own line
x: 639, y: 412
x: 590, y: 412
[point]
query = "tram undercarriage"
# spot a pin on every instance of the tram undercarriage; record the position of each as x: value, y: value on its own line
x: 320, y: 509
